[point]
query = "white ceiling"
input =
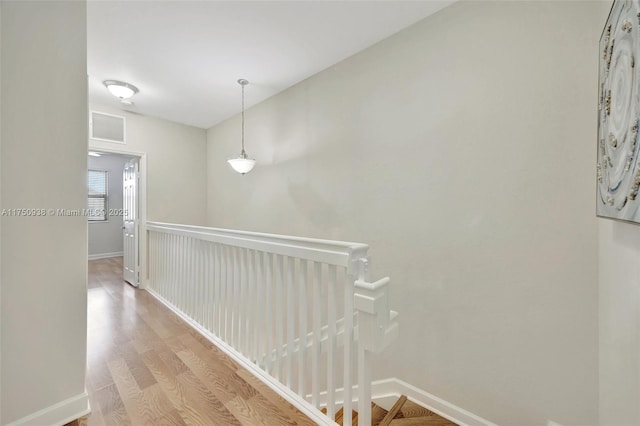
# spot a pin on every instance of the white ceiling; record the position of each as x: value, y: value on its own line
x: 186, y: 56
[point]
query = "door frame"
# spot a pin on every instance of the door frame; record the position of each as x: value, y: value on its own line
x: 143, y: 275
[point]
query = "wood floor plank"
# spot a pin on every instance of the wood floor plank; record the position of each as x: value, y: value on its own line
x: 171, y: 418
x: 244, y: 412
x: 158, y: 405
x: 211, y: 405
x: 269, y: 412
x: 130, y: 393
x: 172, y: 361
x: 274, y: 398
x: 217, y: 380
x: 175, y: 391
x: 138, y: 368
x: 108, y: 400
x: 215, y: 359
x: 118, y: 417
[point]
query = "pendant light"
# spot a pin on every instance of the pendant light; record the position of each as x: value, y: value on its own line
x: 242, y: 164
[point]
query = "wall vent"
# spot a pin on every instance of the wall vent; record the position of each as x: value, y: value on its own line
x: 107, y: 127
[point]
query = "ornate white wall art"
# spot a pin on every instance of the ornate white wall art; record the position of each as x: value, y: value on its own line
x: 618, y: 170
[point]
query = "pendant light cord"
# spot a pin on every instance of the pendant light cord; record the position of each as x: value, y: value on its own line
x: 244, y: 154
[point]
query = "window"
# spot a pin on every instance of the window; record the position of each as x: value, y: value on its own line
x: 97, y: 202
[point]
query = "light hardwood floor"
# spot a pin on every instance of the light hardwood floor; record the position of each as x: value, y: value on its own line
x: 147, y: 367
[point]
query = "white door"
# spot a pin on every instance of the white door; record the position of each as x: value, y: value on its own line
x: 130, y: 222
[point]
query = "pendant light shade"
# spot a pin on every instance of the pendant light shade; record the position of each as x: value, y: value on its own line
x: 242, y: 164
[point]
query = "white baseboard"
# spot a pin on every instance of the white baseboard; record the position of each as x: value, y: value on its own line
x: 58, y: 414
x: 389, y: 390
x: 305, y: 407
x: 106, y: 255
x: 386, y: 392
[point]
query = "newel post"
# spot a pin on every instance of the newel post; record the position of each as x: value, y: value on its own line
x: 377, y: 328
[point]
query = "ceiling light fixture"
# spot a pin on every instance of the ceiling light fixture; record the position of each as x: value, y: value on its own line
x: 121, y: 90
x: 242, y: 164
x: 94, y: 154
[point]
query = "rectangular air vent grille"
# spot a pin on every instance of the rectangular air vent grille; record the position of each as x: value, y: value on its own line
x: 107, y: 127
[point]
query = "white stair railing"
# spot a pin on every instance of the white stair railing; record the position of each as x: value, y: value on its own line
x: 299, y: 313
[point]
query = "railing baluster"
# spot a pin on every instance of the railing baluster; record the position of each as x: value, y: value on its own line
x: 232, y: 295
x: 175, y: 244
x: 242, y: 303
x: 251, y: 305
x: 227, y: 292
x: 160, y: 262
x: 331, y: 342
x: 177, y: 260
x: 236, y: 298
x: 217, y: 265
x: 302, y: 327
x: 151, y: 261
x: 316, y: 349
x: 187, y: 272
x: 269, y: 332
x: 347, y: 347
x: 183, y: 274
x: 206, y: 288
x: 202, y: 301
x: 185, y: 277
x: 279, y: 317
x: 211, y: 266
x: 222, y: 251
x: 167, y: 265
x: 241, y: 313
x: 290, y: 322
x: 197, y: 297
x: 258, y: 327
x: 179, y: 281
x: 191, y: 278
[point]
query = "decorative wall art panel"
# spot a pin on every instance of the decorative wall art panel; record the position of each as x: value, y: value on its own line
x: 618, y: 171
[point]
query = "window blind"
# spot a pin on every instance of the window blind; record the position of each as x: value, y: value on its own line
x: 97, y: 200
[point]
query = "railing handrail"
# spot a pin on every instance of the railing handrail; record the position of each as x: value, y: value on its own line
x: 339, y: 253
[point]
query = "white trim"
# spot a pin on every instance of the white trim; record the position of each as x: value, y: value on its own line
x: 105, y: 255
x: 305, y: 407
x: 395, y: 387
x: 58, y: 414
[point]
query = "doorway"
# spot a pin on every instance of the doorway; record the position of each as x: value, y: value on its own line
x: 113, y: 213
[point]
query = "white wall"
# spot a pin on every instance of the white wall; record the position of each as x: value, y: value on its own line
x: 461, y: 150
x: 43, y: 165
x: 176, y: 165
x: 106, y: 237
x: 619, y: 276
x: 0, y: 210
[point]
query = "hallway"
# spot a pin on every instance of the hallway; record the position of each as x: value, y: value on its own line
x: 147, y: 367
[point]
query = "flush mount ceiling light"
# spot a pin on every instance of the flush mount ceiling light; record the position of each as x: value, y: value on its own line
x: 121, y: 90
x: 242, y: 164
x: 94, y: 154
